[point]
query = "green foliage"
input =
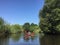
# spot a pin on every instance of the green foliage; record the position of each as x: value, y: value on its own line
x: 50, y: 16
x: 4, y: 28
x: 1, y: 21
x: 30, y: 27
x: 26, y: 26
x: 1, y: 24
x: 7, y: 28
x: 15, y: 28
x: 33, y: 27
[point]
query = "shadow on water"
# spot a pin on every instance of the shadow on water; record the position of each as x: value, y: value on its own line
x: 50, y: 40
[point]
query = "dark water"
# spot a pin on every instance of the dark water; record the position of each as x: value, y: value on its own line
x: 50, y: 40
x: 19, y: 39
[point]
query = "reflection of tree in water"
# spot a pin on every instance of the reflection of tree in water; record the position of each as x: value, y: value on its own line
x: 28, y: 37
x: 4, y: 40
x: 50, y: 40
x: 16, y: 37
x: 32, y: 38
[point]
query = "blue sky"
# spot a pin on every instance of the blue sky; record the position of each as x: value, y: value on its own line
x: 20, y: 11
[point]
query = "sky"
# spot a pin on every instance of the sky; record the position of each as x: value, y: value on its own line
x: 21, y: 11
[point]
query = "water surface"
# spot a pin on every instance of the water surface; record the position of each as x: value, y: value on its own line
x: 50, y: 40
x: 19, y: 39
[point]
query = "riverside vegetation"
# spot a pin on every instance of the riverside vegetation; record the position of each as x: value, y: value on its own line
x: 50, y: 17
x: 6, y: 28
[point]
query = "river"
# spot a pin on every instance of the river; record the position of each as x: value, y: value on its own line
x: 38, y: 39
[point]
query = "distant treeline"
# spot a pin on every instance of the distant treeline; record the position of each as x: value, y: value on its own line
x: 16, y: 28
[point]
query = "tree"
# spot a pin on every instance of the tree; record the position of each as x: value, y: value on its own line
x: 50, y: 16
x: 1, y: 24
x: 15, y: 28
x: 7, y: 28
x: 26, y: 27
x: 33, y: 27
x: 4, y: 28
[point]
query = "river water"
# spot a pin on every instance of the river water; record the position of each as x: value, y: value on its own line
x: 38, y: 39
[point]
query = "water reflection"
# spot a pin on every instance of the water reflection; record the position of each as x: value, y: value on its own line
x: 19, y: 39
x: 4, y: 40
x: 32, y: 38
x: 28, y: 37
x: 15, y: 37
x: 50, y: 40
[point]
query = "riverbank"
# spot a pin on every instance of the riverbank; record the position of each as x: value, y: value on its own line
x: 52, y: 33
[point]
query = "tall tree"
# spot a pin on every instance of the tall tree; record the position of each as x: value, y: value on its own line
x: 50, y: 16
